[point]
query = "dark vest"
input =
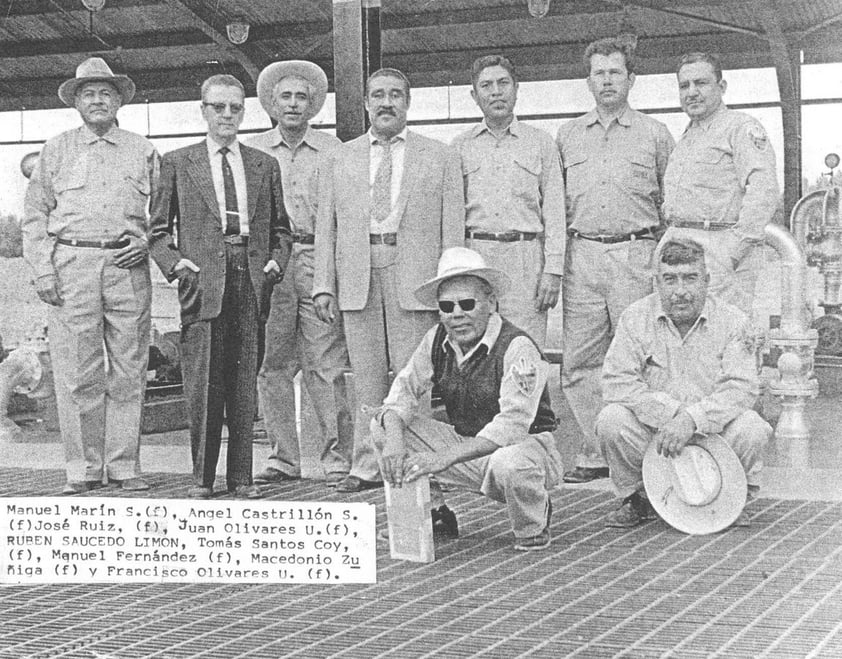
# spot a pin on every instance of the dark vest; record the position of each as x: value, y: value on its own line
x: 471, y: 393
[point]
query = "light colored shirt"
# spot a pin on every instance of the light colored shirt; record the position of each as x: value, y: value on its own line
x: 514, y: 183
x: 517, y: 409
x: 711, y: 373
x: 239, y: 172
x: 613, y: 175
x: 723, y: 170
x: 397, y: 152
x: 301, y: 167
x: 87, y: 187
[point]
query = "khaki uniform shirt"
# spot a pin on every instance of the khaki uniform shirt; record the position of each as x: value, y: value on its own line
x: 613, y: 175
x: 514, y: 183
x: 711, y: 373
x: 300, y: 171
x: 723, y: 170
x: 87, y: 187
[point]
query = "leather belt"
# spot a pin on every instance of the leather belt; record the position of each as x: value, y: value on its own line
x: 99, y: 244
x: 642, y: 234
x: 502, y: 237
x: 704, y: 226
x: 383, y: 239
x: 304, y: 238
x: 236, y: 239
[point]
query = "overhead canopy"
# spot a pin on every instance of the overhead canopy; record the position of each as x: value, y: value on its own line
x: 169, y: 46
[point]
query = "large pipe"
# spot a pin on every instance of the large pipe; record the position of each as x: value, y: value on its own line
x: 793, y: 265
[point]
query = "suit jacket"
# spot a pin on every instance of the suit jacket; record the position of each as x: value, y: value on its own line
x: 185, y: 223
x: 432, y: 218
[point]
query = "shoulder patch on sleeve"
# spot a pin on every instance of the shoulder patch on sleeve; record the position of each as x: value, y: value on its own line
x: 524, y: 374
x: 758, y: 137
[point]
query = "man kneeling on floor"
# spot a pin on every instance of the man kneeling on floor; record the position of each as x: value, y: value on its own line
x: 492, y: 378
x: 681, y: 364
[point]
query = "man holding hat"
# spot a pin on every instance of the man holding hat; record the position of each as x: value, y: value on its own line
x: 84, y: 234
x: 682, y: 364
x: 293, y: 92
x: 493, y: 380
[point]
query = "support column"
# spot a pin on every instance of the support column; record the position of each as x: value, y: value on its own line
x: 356, y: 54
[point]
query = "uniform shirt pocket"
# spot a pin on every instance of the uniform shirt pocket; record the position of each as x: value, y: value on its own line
x: 526, y: 177
x: 640, y: 171
x: 575, y: 172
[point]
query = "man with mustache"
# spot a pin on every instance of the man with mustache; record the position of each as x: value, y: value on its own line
x: 392, y: 203
x: 681, y: 364
x: 614, y: 160
x: 720, y: 187
x: 514, y: 198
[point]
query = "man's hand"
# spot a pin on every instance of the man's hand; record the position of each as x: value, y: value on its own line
x: 546, y: 295
x: 325, y: 305
x: 133, y: 254
x: 673, y: 437
x: 424, y: 464
x: 272, y: 271
x: 47, y: 288
x: 392, y: 466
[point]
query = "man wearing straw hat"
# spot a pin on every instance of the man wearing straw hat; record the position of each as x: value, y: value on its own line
x: 293, y: 92
x: 681, y: 365
x: 84, y: 234
x: 493, y: 380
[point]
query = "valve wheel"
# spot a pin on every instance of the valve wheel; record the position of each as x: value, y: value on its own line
x: 829, y: 328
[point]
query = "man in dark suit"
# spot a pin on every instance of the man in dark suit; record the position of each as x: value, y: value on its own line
x: 219, y: 226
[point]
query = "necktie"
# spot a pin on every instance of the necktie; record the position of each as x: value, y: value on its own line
x: 381, y: 194
x: 232, y: 209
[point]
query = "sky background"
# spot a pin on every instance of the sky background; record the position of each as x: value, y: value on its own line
x: 821, y: 125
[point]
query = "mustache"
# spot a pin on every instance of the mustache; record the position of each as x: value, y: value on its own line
x: 387, y: 111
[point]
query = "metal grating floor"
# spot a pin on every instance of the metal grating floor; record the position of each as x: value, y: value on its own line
x: 771, y: 590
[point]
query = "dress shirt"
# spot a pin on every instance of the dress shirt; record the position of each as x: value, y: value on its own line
x: 517, y: 410
x: 300, y: 170
x: 236, y: 162
x: 398, y: 151
x: 514, y: 183
x: 723, y: 170
x: 711, y: 373
x: 613, y: 175
x: 87, y: 187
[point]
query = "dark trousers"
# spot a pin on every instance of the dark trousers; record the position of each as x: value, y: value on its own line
x: 219, y: 360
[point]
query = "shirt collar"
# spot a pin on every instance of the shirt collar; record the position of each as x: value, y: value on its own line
x: 707, y: 310
x: 112, y: 136
x: 399, y: 137
x: 214, y: 147
x: 278, y: 139
x: 492, y: 333
x: 482, y: 127
x: 624, y: 118
x: 707, y: 122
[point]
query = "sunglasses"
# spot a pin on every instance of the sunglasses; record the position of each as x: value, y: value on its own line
x: 219, y: 108
x: 447, y: 306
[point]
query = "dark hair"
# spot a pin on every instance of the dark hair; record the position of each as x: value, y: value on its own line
x: 486, y: 61
x: 609, y: 46
x: 222, y: 80
x: 680, y: 251
x: 710, y: 58
x: 388, y: 73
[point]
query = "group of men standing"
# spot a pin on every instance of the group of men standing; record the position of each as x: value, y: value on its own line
x: 298, y: 252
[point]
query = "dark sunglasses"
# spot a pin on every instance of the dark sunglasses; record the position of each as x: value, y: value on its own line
x: 447, y: 306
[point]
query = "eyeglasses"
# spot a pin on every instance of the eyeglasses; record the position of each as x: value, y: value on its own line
x: 447, y: 306
x: 219, y: 108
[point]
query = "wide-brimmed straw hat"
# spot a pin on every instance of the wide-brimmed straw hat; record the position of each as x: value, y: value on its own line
x: 95, y: 69
x: 272, y: 74
x: 701, y: 491
x: 458, y: 262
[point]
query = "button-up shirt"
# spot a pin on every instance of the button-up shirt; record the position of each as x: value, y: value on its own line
x: 723, y: 170
x: 239, y: 172
x: 301, y: 167
x: 87, y: 187
x: 613, y: 175
x: 711, y: 372
x: 517, y: 409
x: 397, y: 152
x: 514, y: 182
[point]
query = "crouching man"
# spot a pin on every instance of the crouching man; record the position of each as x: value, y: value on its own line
x: 492, y: 378
x: 682, y: 363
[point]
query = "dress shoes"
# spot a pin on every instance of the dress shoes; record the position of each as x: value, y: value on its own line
x: 540, y: 541
x: 634, y: 510
x: 246, y: 492
x: 354, y: 484
x: 78, y: 487
x: 272, y: 475
x: 199, y: 492
x: 584, y: 474
x: 135, y: 484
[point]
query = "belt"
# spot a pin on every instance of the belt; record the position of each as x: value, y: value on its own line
x: 304, y: 238
x: 383, y: 239
x: 503, y: 237
x: 704, y: 226
x: 100, y: 244
x: 643, y: 234
x: 236, y: 239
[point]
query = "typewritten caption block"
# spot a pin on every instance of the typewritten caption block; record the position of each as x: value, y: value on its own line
x: 60, y: 540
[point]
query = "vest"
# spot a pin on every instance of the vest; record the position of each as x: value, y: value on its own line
x: 471, y: 393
